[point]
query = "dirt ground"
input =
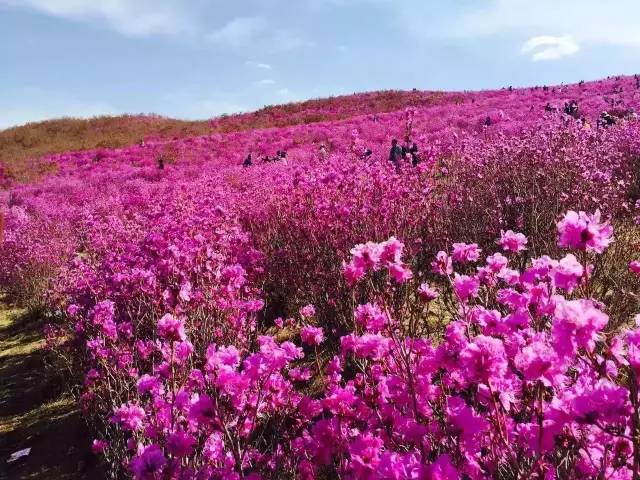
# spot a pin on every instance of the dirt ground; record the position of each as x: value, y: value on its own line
x: 35, y: 411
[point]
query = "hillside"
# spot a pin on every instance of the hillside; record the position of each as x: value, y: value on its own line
x: 424, y: 285
x: 22, y: 146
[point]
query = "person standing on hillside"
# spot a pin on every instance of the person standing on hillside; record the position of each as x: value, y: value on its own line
x: 395, y: 154
x: 322, y: 153
x: 413, y: 151
x: 247, y: 161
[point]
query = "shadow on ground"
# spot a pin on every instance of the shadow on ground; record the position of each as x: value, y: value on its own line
x: 35, y: 411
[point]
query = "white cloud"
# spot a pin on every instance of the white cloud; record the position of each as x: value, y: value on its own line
x: 239, y: 32
x: 548, y: 47
x: 263, y: 66
x: 129, y: 17
x: 183, y: 18
x: 265, y: 81
x: 589, y: 22
x: 256, y: 33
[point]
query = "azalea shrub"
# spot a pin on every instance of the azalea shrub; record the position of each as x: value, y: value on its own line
x: 332, y: 315
x: 523, y: 379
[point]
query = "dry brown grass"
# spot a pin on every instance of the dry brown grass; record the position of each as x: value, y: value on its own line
x: 20, y: 147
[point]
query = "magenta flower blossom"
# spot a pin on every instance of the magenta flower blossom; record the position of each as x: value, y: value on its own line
x: 171, y: 328
x: 583, y: 231
x: 538, y: 361
x: 371, y: 317
x: 483, y: 359
x: 426, y: 293
x: 391, y: 251
x: 312, y: 335
x: 466, y: 252
x: 147, y: 383
x: 307, y: 311
x: 149, y: 464
x: 576, y: 324
x: 365, y: 454
x: 634, y: 266
x: 442, y: 469
x: 466, y: 287
x: 443, y: 264
x: 129, y: 416
x: 369, y: 345
x: 99, y: 446
x: 511, y: 241
x: 213, y: 449
x: 497, y: 262
x: 567, y: 273
x: 180, y: 444
x: 400, y: 273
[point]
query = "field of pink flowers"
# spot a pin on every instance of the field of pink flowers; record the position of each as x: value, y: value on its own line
x: 333, y: 315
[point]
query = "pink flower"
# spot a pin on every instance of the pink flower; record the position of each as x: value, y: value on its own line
x: 171, y: 328
x: 538, y: 361
x: 426, y: 293
x: 567, y: 273
x: 352, y: 273
x: 365, y: 454
x: 466, y: 252
x: 180, y: 444
x: 99, y: 446
x: 497, y: 262
x: 130, y: 416
x: 605, y: 403
x: 442, y: 469
x: 371, y: 317
x: 149, y: 464
x: 307, y: 311
x: 391, y: 251
x: 442, y: 265
x: 185, y: 291
x: 213, y: 449
x: 634, y: 266
x: 369, y: 345
x: 583, y: 231
x: 466, y: 287
x: 203, y: 412
x: 511, y: 241
x: 400, y: 273
x: 366, y: 256
x: 483, y: 358
x: 576, y: 324
x: 147, y: 383
x: 312, y: 335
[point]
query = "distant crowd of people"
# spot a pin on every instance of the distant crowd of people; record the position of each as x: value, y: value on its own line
x: 279, y: 156
x: 408, y: 149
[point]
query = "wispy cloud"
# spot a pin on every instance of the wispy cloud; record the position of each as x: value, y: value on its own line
x: 548, y: 47
x: 263, y: 66
x: 239, y: 32
x: 588, y: 22
x: 256, y: 33
x: 265, y: 81
x: 129, y: 17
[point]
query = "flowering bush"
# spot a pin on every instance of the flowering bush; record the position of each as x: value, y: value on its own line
x: 469, y: 317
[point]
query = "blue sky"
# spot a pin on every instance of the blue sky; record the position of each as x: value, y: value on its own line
x: 201, y: 58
